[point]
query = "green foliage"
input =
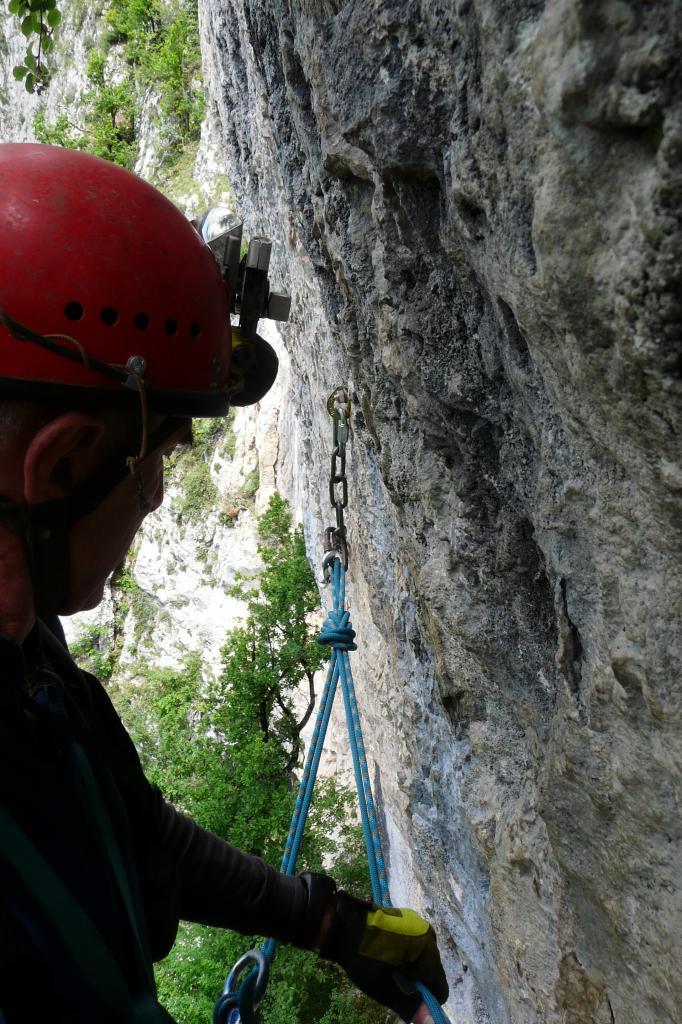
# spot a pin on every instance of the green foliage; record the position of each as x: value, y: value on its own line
x: 209, y: 748
x: 124, y: 580
x: 274, y: 652
x: 174, y: 67
x: 229, y: 446
x: 134, y: 23
x: 131, y: 599
x: 61, y: 133
x: 98, y: 648
x: 159, y: 42
x: 111, y: 115
x: 94, y: 652
x: 198, y: 492
x: 79, y: 9
x: 39, y: 20
x: 161, y: 46
x: 110, y: 129
x: 189, y: 465
x: 175, y: 178
x: 206, y: 433
x: 251, y: 484
x: 302, y: 989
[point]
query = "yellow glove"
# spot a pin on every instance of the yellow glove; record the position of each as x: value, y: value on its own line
x: 383, y: 950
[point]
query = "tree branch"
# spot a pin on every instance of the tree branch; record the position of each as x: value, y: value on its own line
x: 311, y: 701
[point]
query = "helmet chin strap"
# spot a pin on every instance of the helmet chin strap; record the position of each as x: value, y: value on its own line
x: 45, y: 527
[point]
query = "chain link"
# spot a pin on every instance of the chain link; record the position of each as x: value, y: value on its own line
x: 335, y: 540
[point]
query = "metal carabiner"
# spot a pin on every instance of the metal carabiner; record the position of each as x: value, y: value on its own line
x: 256, y: 957
x: 227, y: 1010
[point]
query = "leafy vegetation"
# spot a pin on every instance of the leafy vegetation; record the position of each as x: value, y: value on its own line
x: 251, y: 484
x: 98, y: 648
x: 227, y: 752
x: 229, y: 441
x: 111, y: 118
x: 145, y: 47
x: 161, y: 42
x: 198, y: 492
x: 189, y: 466
x: 206, y: 433
x: 131, y: 599
x: 38, y: 20
x: 274, y: 652
x: 174, y: 67
x: 94, y: 652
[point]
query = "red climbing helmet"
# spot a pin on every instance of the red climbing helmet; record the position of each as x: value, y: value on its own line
x: 105, y: 268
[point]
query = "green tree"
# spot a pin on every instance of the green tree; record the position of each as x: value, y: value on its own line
x: 62, y: 132
x: 134, y: 23
x: 269, y: 657
x: 111, y: 117
x: 226, y: 752
x: 173, y: 66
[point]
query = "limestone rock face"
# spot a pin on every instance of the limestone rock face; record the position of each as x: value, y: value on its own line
x: 479, y: 203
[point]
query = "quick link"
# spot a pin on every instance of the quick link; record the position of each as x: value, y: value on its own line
x: 335, y: 540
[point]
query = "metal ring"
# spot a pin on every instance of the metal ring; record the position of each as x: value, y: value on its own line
x: 257, y: 959
x: 332, y: 400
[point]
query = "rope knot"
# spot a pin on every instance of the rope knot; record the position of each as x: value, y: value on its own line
x: 337, y: 631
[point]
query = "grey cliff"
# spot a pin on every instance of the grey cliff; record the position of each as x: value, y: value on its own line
x: 477, y: 207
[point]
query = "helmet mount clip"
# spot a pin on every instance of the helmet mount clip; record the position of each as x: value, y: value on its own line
x: 251, y: 298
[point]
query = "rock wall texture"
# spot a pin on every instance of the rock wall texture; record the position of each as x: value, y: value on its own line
x: 479, y: 207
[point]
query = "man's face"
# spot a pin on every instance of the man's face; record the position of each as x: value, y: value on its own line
x: 100, y: 540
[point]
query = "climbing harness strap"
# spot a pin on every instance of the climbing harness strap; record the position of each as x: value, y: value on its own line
x: 68, y: 919
x: 239, y: 1004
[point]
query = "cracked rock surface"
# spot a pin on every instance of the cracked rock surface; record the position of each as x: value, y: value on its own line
x: 477, y: 210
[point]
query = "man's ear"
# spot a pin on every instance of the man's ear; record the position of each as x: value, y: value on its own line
x: 60, y: 455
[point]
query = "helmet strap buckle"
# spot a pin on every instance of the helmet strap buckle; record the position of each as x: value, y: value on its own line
x: 136, y: 367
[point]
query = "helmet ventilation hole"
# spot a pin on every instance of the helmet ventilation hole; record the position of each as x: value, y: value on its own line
x: 194, y: 329
x: 141, y: 321
x: 73, y: 311
x: 171, y: 327
x: 109, y: 316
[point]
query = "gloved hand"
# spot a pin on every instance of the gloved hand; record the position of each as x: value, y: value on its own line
x: 383, y: 950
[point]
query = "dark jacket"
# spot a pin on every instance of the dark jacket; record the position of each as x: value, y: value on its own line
x: 176, y: 869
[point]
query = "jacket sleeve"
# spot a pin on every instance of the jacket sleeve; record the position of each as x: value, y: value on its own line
x: 186, y: 872
x: 220, y: 885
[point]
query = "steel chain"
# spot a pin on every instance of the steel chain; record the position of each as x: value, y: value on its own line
x: 335, y: 539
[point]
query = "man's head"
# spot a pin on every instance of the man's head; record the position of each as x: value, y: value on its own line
x: 114, y: 330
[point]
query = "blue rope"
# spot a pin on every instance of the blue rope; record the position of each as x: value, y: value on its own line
x: 337, y: 633
x: 225, y: 1012
x: 370, y: 825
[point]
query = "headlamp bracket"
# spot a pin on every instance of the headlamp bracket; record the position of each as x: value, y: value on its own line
x: 246, y: 277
